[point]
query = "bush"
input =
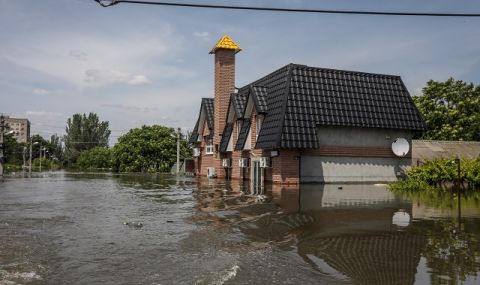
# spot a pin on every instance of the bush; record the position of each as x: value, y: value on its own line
x: 47, y: 164
x: 95, y: 158
x: 440, y: 173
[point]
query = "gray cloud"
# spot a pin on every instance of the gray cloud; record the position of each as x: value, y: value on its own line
x: 105, y: 77
x: 130, y: 108
x: 78, y: 55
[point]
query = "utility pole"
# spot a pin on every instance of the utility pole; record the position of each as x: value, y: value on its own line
x: 178, y: 151
x: 40, y: 157
x: 24, y: 160
x: 2, y: 129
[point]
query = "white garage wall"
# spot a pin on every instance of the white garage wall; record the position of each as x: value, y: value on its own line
x: 330, y: 169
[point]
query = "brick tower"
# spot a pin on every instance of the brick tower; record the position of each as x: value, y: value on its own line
x: 224, y: 51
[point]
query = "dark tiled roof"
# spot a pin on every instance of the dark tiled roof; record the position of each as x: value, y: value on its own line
x: 207, y: 103
x: 239, y: 102
x: 207, y: 107
x: 277, y: 86
x: 317, y: 96
x: 194, y: 137
x: 296, y: 99
x: 242, y: 136
x: 227, y: 133
x: 259, y: 94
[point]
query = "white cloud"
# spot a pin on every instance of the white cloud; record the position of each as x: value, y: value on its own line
x: 90, y: 60
x: 202, y: 35
x: 40, y: 91
x: 130, y: 108
x: 139, y: 80
x: 45, y: 123
x: 98, y: 77
x: 42, y: 113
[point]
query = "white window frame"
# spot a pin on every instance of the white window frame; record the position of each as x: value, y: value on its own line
x: 209, y: 149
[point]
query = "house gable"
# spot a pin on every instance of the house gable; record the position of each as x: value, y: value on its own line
x: 204, y: 122
x: 243, y: 135
x: 226, y: 137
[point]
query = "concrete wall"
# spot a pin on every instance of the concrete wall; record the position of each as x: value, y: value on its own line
x: 354, y: 155
x: 330, y: 169
x: 360, y: 137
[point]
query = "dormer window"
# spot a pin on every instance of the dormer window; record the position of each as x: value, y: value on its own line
x: 209, y: 149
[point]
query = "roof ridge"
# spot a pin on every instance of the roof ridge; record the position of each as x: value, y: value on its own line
x: 291, y: 67
x: 296, y: 65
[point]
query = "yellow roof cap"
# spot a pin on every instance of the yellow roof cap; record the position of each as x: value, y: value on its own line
x: 226, y: 43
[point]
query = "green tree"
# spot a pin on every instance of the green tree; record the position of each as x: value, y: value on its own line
x: 148, y: 149
x: 95, y: 158
x: 38, y: 142
x: 55, y: 148
x: 83, y: 133
x: 13, y: 150
x: 451, y: 110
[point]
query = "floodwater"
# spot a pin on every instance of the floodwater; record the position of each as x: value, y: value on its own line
x: 67, y: 228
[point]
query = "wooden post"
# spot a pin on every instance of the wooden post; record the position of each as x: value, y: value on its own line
x: 2, y: 129
x: 459, y: 195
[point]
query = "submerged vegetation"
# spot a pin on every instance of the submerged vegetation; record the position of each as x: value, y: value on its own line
x: 440, y: 175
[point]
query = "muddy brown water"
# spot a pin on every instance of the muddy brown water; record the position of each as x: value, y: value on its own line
x: 72, y: 228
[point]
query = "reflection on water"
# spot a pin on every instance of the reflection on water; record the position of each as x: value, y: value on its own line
x: 66, y: 228
x: 356, y: 233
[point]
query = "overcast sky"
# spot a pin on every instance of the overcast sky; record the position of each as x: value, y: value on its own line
x: 137, y: 64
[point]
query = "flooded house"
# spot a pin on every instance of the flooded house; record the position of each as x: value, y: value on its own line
x: 303, y: 124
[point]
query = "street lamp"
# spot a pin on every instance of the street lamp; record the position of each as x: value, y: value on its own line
x: 40, y: 159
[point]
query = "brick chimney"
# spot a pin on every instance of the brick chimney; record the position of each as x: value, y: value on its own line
x: 224, y: 51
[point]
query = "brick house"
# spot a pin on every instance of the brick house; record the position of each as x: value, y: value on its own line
x: 303, y: 124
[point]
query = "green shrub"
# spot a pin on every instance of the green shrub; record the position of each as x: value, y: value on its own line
x: 95, y: 158
x: 440, y: 173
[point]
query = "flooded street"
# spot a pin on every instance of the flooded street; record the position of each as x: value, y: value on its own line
x: 67, y: 228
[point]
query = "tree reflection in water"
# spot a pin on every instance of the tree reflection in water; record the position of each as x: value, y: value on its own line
x: 452, y: 252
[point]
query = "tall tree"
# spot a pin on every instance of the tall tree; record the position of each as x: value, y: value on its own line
x: 83, y: 133
x: 148, y: 149
x: 53, y: 147
x: 56, y: 147
x: 451, y: 110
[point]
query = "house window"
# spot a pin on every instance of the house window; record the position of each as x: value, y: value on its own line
x: 259, y: 125
x: 209, y: 149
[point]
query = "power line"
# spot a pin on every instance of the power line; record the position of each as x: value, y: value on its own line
x: 108, y: 3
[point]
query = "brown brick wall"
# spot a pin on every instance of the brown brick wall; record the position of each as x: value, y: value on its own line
x: 224, y: 86
x: 285, y: 167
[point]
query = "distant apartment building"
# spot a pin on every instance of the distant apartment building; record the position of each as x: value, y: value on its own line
x: 20, y: 127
